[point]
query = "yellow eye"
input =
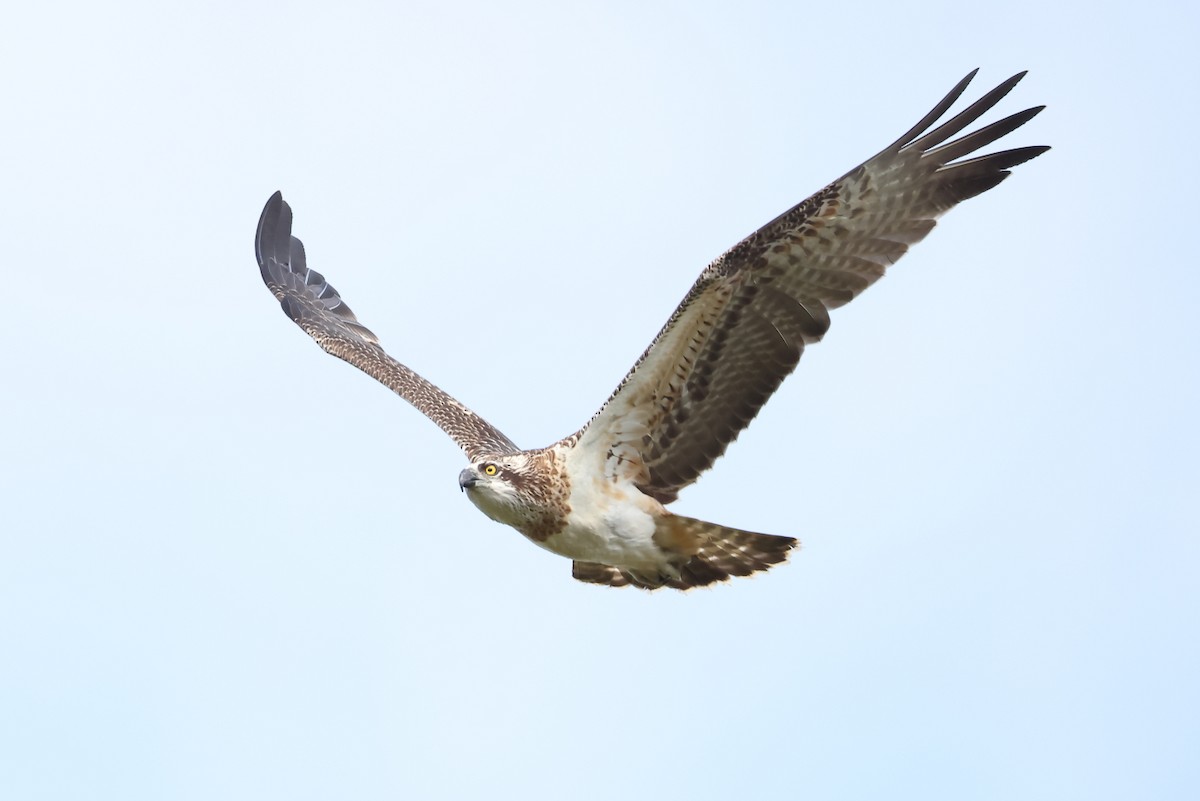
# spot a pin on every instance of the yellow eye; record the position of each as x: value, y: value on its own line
x: 490, y: 470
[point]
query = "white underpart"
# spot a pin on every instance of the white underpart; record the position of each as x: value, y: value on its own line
x: 611, y: 522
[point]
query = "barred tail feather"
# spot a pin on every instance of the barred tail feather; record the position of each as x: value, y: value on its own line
x: 725, y: 552
x: 709, y: 553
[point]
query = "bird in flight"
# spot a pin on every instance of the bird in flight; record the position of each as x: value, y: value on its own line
x: 599, y: 496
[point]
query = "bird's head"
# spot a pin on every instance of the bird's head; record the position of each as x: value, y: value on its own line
x: 499, y: 486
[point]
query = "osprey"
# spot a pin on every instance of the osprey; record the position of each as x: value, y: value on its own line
x: 599, y: 496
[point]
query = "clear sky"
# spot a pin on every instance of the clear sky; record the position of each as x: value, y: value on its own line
x: 232, y: 567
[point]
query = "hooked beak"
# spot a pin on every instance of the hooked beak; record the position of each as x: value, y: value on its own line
x: 467, y: 479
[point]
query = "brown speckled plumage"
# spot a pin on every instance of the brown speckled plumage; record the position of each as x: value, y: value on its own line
x: 738, y: 333
x: 547, y: 487
x: 314, y: 305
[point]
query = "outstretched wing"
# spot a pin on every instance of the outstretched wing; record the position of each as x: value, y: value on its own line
x: 741, y: 329
x: 315, y: 306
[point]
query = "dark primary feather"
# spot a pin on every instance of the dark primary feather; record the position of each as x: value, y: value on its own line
x: 317, y: 308
x: 743, y: 326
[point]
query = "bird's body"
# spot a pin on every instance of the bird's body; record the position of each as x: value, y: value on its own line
x: 599, y: 496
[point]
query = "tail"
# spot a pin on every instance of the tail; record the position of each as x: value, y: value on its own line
x: 707, y: 553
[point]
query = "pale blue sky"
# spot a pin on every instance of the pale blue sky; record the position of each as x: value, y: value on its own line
x: 233, y: 568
